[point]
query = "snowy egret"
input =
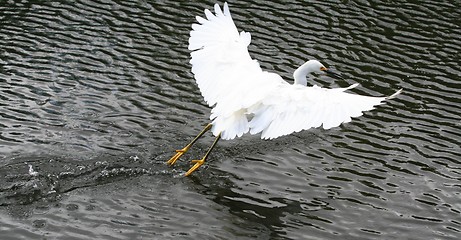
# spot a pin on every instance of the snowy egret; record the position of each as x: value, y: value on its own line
x: 244, y: 98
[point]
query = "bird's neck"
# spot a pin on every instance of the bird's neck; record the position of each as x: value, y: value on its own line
x: 300, y: 75
x: 301, y: 80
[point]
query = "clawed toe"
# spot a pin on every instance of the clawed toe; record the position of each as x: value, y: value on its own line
x: 198, y: 163
x: 175, y: 158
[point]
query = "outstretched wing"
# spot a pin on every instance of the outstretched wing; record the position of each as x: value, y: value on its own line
x: 294, y: 108
x: 236, y: 87
x: 226, y: 75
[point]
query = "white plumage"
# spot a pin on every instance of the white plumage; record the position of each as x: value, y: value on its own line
x: 246, y: 99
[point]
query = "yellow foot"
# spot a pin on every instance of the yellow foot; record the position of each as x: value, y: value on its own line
x: 178, y: 154
x: 198, y: 163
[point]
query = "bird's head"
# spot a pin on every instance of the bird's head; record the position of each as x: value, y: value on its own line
x: 318, y: 67
x: 312, y: 66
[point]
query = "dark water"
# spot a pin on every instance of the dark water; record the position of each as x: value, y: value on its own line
x: 96, y: 95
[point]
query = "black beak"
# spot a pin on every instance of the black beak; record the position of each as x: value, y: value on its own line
x: 333, y: 74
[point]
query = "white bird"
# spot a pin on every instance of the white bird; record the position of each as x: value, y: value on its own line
x: 246, y: 98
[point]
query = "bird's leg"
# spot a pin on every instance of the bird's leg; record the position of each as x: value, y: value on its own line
x: 200, y: 162
x: 180, y: 152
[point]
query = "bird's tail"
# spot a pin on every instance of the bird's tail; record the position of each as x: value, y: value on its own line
x: 395, y: 94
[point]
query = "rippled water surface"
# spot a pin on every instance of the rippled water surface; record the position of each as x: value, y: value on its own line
x: 96, y: 95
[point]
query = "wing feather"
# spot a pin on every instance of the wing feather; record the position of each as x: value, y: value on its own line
x: 228, y: 78
x: 294, y: 108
